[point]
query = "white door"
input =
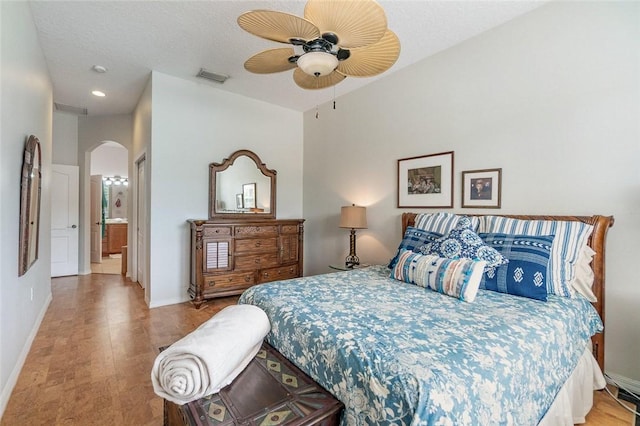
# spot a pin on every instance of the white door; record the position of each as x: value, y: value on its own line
x: 65, y: 191
x: 96, y: 219
x: 141, y: 224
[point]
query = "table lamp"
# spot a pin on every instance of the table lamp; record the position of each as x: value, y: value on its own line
x: 354, y: 217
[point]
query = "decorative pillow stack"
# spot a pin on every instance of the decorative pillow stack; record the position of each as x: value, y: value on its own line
x: 570, y: 239
x: 454, y: 277
x: 527, y: 271
x: 462, y: 242
x: 528, y: 258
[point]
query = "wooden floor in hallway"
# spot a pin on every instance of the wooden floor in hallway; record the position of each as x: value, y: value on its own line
x: 91, y: 360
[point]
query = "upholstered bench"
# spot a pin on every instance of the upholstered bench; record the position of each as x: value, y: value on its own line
x: 270, y: 391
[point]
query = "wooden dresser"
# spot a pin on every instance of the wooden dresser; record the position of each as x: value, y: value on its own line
x: 227, y: 257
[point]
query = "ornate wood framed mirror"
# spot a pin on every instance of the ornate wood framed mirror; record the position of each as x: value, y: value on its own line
x: 242, y: 187
x: 30, y: 187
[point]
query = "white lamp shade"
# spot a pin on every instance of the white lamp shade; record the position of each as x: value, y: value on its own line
x: 317, y: 63
x: 353, y: 217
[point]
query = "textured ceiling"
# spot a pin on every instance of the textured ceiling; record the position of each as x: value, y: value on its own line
x: 132, y: 38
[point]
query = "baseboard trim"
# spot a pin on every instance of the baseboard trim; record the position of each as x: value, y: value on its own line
x: 166, y: 302
x: 625, y: 382
x: 15, y: 373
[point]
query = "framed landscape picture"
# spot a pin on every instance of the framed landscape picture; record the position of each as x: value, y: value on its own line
x: 426, y: 181
x: 482, y: 188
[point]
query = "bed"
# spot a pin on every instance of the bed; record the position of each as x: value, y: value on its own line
x: 397, y: 353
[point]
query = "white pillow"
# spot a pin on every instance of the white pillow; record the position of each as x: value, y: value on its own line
x: 583, y: 281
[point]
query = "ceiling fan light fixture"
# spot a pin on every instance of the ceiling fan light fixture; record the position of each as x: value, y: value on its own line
x: 317, y: 64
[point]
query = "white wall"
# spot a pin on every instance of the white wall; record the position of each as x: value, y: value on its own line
x: 141, y: 149
x: 193, y: 125
x: 552, y: 97
x: 65, y: 138
x: 25, y: 108
x: 108, y: 160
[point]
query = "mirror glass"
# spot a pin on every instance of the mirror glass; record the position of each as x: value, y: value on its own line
x: 115, y: 193
x: 30, y: 205
x: 241, y: 187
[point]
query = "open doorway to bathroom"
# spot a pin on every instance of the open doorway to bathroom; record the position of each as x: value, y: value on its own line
x: 109, y: 207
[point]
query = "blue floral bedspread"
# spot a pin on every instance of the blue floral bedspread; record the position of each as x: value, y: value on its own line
x: 399, y: 354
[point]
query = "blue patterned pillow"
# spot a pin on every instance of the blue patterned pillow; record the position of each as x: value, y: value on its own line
x: 413, y: 239
x: 462, y: 242
x: 454, y: 277
x: 527, y: 272
x: 570, y: 238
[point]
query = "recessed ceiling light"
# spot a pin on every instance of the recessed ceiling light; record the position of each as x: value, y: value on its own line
x: 99, y: 68
x: 98, y: 93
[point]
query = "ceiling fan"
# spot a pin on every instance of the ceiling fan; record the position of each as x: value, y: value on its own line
x: 335, y: 39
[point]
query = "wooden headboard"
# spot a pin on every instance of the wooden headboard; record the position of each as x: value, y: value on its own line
x: 597, y: 241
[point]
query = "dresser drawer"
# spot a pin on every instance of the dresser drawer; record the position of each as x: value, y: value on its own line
x: 256, y: 261
x: 289, y: 229
x: 257, y: 231
x: 216, y: 231
x: 280, y: 273
x: 256, y: 245
x: 213, y: 283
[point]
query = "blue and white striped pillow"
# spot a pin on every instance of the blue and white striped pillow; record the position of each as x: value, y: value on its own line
x: 458, y: 278
x: 442, y: 222
x: 570, y: 238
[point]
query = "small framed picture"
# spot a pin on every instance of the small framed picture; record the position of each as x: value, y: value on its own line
x: 426, y: 181
x: 482, y: 188
x: 249, y: 196
x: 239, y: 202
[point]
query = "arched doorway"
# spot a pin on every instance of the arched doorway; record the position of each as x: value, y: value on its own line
x: 109, y: 211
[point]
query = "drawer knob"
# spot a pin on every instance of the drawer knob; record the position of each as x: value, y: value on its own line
x: 230, y: 279
x: 212, y: 283
x: 257, y: 261
x: 247, y: 278
x: 258, y: 244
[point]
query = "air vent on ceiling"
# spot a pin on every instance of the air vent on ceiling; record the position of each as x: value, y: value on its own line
x: 71, y: 109
x: 218, y: 78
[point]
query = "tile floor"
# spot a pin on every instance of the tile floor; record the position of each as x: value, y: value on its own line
x: 111, y: 264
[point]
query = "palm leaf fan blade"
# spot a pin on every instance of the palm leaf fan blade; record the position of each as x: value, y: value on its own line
x: 270, y: 61
x: 356, y: 23
x: 373, y: 59
x: 277, y: 26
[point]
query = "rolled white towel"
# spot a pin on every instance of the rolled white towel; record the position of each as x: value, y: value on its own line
x: 211, y: 356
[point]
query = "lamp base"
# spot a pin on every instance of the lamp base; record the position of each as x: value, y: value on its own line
x: 350, y: 263
x: 352, y: 260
